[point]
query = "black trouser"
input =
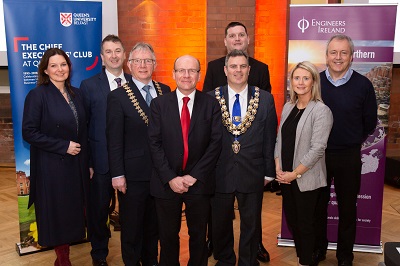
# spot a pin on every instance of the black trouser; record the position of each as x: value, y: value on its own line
x: 300, y: 208
x: 139, y: 228
x: 344, y: 168
x: 100, y: 194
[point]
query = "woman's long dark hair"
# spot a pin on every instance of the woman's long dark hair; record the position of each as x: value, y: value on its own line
x: 43, y: 78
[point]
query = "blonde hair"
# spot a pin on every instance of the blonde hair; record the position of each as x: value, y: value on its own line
x: 315, y: 89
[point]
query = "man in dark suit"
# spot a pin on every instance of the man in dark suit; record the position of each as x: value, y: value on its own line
x: 236, y: 37
x: 246, y: 162
x: 95, y: 91
x: 185, y: 139
x: 129, y: 157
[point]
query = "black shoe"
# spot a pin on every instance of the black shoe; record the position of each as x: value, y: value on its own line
x: 317, y: 257
x: 262, y: 253
x: 210, y: 248
x: 101, y: 262
x: 345, y: 263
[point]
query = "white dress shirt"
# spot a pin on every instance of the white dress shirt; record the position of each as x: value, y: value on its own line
x: 111, y: 79
x: 180, y: 95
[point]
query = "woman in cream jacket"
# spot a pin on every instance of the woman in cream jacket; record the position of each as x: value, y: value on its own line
x: 300, y: 155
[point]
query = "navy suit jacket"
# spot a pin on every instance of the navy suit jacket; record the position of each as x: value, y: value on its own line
x: 166, y: 143
x: 244, y: 172
x: 127, y: 139
x: 215, y: 75
x: 95, y: 91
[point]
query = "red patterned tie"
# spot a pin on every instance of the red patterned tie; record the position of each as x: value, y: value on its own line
x: 185, y: 123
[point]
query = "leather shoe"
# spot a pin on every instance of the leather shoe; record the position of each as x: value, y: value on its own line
x: 210, y: 247
x: 101, y: 262
x: 262, y: 253
x: 318, y: 256
x: 345, y: 263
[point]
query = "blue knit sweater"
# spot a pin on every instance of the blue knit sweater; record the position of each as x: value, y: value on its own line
x: 354, y: 110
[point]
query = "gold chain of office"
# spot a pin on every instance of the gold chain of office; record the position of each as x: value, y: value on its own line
x: 135, y: 102
x: 251, y: 112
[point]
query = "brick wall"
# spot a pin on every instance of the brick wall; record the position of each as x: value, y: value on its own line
x: 172, y: 27
x: 393, y: 144
x: 219, y: 14
x: 6, y: 134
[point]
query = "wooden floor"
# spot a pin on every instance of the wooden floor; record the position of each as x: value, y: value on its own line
x: 271, y: 217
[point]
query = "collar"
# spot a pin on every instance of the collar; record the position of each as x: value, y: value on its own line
x: 111, y: 76
x: 180, y: 95
x: 140, y: 84
x: 340, y: 81
x: 243, y: 94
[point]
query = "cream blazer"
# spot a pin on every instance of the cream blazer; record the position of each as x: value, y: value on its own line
x: 311, y: 140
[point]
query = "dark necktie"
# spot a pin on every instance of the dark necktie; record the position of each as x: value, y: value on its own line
x: 148, y: 98
x: 236, y: 113
x: 118, y: 80
x: 185, y: 123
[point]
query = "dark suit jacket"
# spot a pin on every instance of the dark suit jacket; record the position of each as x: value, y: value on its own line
x: 166, y: 143
x: 215, y: 75
x: 127, y: 139
x: 245, y: 171
x: 95, y: 91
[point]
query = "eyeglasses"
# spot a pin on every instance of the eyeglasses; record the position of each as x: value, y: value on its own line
x: 183, y: 71
x: 138, y: 61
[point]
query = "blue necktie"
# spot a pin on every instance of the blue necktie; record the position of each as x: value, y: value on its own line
x: 236, y: 113
x: 148, y: 95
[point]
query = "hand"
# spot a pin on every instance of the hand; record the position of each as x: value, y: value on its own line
x: 266, y: 181
x: 119, y: 183
x: 177, y: 185
x: 91, y: 172
x: 188, y: 181
x: 283, y: 177
x: 74, y: 148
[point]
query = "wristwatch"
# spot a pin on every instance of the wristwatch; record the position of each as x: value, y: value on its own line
x: 297, y: 174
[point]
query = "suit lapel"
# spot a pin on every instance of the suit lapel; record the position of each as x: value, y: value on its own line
x: 139, y: 97
x: 174, y: 112
x: 303, y: 118
x: 197, y: 105
x: 104, y: 85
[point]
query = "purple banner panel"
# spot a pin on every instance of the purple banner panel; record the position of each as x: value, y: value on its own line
x: 360, y: 22
x: 372, y: 30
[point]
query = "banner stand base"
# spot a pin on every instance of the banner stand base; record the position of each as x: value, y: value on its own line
x: 31, y: 249
x: 332, y: 246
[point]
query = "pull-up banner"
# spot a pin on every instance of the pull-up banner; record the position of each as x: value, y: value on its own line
x: 372, y: 29
x: 32, y: 27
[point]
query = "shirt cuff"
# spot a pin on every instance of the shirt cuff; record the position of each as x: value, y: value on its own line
x: 268, y: 178
x: 115, y: 177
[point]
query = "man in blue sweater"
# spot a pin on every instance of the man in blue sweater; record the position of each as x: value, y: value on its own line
x: 351, y: 98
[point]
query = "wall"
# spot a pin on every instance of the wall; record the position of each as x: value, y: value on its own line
x: 176, y: 27
x: 393, y: 144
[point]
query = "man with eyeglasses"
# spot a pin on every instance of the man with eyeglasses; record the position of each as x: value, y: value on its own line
x: 129, y: 156
x: 185, y: 140
x: 236, y: 37
x: 95, y: 90
x: 246, y: 160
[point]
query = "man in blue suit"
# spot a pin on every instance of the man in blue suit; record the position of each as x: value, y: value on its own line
x: 95, y: 91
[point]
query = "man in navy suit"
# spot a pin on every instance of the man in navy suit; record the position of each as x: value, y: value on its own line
x: 236, y: 37
x: 95, y: 91
x: 185, y: 133
x: 246, y: 163
x: 129, y: 156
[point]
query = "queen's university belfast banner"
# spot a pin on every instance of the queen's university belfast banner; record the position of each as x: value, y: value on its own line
x: 372, y: 30
x: 32, y: 27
